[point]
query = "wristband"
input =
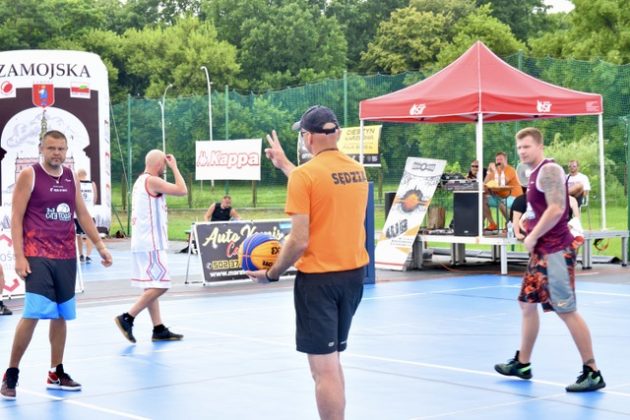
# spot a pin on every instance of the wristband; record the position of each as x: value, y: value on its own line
x: 269, y: 279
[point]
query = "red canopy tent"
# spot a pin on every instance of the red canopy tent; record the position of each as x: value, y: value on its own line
x: 480, y: 87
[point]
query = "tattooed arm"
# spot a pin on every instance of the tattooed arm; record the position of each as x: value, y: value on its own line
x: 552, y: 182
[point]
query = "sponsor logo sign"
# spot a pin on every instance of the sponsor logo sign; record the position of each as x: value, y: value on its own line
x: 7, y: 89
x: 228, y: 159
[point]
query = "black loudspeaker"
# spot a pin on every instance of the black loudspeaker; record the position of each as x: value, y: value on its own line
x: 466, y: 213
x: 389, y: 200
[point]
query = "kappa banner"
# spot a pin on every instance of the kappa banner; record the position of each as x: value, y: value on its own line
x: 218, y: 244
x: 417, y: 186
x: 350, y: 144
x: 228, y: 159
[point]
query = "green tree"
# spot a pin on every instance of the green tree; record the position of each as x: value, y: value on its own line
x: 280, y: 42
x: 525, y: 18
x: 156, y: 57
x: 479, y: 25
x: 407, y: 41
x: 29, y: 24
x: 598, y: 29
x: 359, y: 20
x: 413, y: 36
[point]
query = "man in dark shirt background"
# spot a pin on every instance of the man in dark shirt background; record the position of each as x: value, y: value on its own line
x: 221, y: 212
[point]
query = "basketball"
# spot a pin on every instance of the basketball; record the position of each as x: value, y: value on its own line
x: 258, y: 252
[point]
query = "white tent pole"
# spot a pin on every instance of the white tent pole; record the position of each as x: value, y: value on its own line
x: 602, y: 181
x: 361, y: 143
x: 479, y: 155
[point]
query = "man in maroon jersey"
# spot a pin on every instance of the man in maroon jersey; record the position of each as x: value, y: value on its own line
x: 45, y: 198
x: 550, y: 276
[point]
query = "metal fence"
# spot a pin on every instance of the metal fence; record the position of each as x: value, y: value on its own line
x: 138, y: 128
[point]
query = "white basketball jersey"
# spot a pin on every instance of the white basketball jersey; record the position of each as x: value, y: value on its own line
x: 149, y: 225
x: 87, y: 192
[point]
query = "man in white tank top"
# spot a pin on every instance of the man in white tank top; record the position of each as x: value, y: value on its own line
x: 88, y: 193
x: 149, y: 242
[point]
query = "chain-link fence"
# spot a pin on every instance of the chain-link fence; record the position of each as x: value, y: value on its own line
x: 237, y: 116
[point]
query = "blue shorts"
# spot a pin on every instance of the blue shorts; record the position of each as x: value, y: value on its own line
x: 324, y: 306
x: 50, y: 289
x: 493, y: 201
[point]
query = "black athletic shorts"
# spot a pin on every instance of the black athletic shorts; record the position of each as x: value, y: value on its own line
x: 78, y: 228
x: 324, y: 305
x: 50, y: 289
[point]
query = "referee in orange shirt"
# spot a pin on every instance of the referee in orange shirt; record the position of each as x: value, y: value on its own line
x: 326, y: 199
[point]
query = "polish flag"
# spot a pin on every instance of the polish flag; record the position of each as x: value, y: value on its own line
x: 79, y: 90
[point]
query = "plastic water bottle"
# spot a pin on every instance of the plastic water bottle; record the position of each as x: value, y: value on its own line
x: 510, y: 230
x: 502, y: 179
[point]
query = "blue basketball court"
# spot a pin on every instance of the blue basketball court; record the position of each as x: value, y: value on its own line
x: 418, y: 349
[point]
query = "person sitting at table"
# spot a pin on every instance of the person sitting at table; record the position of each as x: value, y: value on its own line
x: 474, y: 168
x: 578, y: 183
x: 497, y: 170
x: 221, y: 212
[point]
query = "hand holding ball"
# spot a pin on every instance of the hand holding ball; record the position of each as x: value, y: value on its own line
x: 258, y: 252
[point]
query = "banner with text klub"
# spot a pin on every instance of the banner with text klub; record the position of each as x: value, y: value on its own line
x: 13, y: 285
x: 228, y: 159
x: 416, y: 189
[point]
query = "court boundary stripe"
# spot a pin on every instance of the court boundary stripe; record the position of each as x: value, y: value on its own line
x: 82, y: 404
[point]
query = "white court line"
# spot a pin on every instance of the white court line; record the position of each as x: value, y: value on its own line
x: 588, y: 292
x: 406, y: 362
x: 471, y: 371
x: 525, y: 400
x: 84, y: 405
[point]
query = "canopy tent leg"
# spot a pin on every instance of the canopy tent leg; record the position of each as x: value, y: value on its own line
x: 602, y: 181
x: 361, y: 142
x: 479, y: 155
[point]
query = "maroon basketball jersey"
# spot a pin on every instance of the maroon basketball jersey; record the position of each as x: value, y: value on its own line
x: 559, y: 236
x: 49, y: 218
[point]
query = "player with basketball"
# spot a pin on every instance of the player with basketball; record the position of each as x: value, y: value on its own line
x: 329, y: 283
x: 149, y: 242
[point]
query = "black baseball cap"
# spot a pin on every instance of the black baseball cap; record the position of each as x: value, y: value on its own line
x: 315, y: 118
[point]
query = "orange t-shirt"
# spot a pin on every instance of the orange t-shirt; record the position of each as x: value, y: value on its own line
x: 332, y: 190
x: 511, y: 179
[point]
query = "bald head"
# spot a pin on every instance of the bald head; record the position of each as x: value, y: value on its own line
x: 155, y: 162
x: 81, y: 174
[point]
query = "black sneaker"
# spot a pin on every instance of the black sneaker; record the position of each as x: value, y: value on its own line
x: 4, y: 310
x: 166, y: 335
x: 515, y: 368
x: 88, y: 260
x: 9, y: 382
x: 81, y: 258
x: 125, y: 327
x: 589, y: 380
